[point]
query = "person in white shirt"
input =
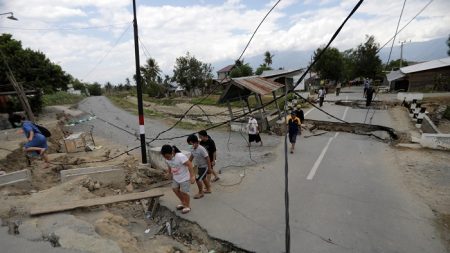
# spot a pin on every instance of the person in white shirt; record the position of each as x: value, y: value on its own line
x: 182, y: 173
x: 253, y: 131
x: 321, y: 96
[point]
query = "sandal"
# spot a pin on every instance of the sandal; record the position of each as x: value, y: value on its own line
x: 208, y: 192
x: 180, y: 207
x: 198, y: 196
x: 216, y: 179
x: 186, y: 210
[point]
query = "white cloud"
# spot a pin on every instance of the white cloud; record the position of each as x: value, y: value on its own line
x: 210, y: 32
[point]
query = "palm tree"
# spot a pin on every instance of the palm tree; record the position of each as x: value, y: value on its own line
x: 268, y: 58
x: 150, y: 71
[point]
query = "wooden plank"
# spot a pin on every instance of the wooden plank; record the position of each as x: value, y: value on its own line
x: 65, y: 206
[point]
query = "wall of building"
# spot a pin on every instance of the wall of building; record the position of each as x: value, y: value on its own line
x: 427, y: 80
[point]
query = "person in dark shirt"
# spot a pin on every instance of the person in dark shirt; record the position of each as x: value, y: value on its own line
x: 369, y: 95
x: 293, y: 125
x: 299, y: 113
x: 207, y: 142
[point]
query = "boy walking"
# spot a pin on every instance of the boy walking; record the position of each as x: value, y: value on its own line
x: 182, y: 173
x: 293, y: 125
x: 207, y: 142
x: 321, y: 96
x: 201, y: 159
x: 253, y: 131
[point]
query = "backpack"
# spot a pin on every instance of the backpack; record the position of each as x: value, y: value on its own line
x: 44, y: 131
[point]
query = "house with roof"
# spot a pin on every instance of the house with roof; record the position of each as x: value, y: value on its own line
x: 224, y: 72
x: 427, y: 76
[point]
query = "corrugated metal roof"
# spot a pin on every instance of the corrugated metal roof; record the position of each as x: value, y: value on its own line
x: 257, y: 85
x: 280, y: 72
x: 434, y: 64
x: 394, y: 75
x: 226, y: 69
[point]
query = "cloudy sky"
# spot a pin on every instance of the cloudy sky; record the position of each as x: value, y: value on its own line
x: 93, y: 39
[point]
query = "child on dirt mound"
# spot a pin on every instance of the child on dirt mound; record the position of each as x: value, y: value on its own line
x: 182, y: 173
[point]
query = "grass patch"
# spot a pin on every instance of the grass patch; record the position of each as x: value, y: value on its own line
x: 122, y: 103
x: 61, y: 98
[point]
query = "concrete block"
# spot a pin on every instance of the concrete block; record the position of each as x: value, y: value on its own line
x: 157, y: 161
x: 436, y: 141
x: 409, y: 96
x: 17, y: 177
x: 107, y: 175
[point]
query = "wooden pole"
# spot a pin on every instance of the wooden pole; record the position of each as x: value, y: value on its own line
x: 263, y: 113
x: 276, y: 102
x: 22, y: 97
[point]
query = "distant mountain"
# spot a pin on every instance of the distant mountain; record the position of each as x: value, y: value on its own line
x: 291, y: 59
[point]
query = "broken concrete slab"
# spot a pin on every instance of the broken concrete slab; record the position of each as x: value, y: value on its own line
x: 436, y: 141
x: 70, y: 205
x: 106, y: 175
x: 22, y: 177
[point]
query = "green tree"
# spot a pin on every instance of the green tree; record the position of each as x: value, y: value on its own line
x: 191, y: 73
x: 330, y: 64
x: 395, y: 65
x: 150, y: 71
x: 268, y: 57
x: 261, y: 69
x: 241, y: 69
x: 348, y: 61
x: 95, y: 89
x: 367, y: 62
x: 30, y: 67
x: 448, y: 44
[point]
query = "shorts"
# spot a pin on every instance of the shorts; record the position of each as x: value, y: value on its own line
x: 38, y: 141
x: 183, y: 186
x: 254, y: 138
x: 201, y: 173
x: 292, y: 138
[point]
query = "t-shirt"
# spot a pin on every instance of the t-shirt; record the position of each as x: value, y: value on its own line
x: 28, y: 126
x: 179, y: 171
x: 322, y: 93
x: 252, y: 126
x: 210, y: 146
x: 200, y: 156
x: 293, y: 125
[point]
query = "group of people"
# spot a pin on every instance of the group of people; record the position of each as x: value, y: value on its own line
x: 181, y: 170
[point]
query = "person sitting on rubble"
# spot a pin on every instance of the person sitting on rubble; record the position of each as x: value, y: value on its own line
x: 182, y: 173
x: 36, y: 145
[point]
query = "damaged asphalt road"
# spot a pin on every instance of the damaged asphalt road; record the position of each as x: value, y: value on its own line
x: 346, y: 192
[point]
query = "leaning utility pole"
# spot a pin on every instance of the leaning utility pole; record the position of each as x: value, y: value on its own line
x: 21, y: 94
x: 139, y: 88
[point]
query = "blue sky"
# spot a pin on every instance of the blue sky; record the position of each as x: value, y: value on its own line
x: 214, y: 31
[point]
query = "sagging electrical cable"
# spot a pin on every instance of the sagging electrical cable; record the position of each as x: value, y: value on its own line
x: 395, y: 34
x: 415, y: 16
x: 221, y: 81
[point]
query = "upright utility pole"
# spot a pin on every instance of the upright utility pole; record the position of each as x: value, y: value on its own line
x: 401, y: 51
x: 139, y: 88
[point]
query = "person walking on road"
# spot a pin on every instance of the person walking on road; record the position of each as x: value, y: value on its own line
x: 201, y: 159
x: 366, y: 86
x: 338, y: 88
x: 321, y: 96
x: 182, y: 174
x: 253, y: 131
x: 299, y: 113
x: 207, y: 142
x: 293, y: 125
x: 369, y: 95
